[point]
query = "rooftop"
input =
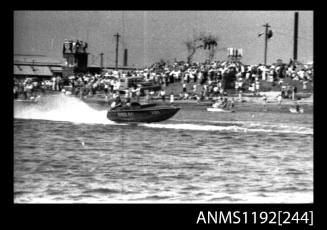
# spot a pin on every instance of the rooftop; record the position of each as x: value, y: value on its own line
x: 32, y: 70
x: 27, y: 59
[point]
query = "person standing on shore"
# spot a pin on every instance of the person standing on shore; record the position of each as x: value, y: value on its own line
x: 163, y: 95
x: 184, y: 88
x: 57, y: 84
x: 240, y: 95
x: 294, y: 91
x: 53, y: 83
x: 279, y: 99
x: 171, y: 98
x: 15, y: 92
x: 147, y: 96
x: 216, y: 90
x: 138, y: 93
x: 194, y: 88
x: 305, y: 82
x: 264, y: 102
x: 257, y: 86
x: 232, y: 103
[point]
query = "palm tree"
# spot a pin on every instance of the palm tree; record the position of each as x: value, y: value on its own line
x: 192, y: 47
x: 207, y: 42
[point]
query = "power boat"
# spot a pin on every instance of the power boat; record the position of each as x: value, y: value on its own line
x: 145, y: 113
x: 212, y: 109
x: 31, y: 100
x: 294, y: 110
x: 222, y: 106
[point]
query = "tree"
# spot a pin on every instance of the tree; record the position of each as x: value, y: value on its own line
x: 192, y: 46
x: 206, y: 42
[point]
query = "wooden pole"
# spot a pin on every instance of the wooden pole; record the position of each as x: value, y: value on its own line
x: 266, y: 42
x: 117, y: 43
x: 296, y: 25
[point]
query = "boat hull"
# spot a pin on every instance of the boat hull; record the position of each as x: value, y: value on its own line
x: 25, y: 101
x: 219, y: 110
x: 293, y: 110
x: 142, y: 115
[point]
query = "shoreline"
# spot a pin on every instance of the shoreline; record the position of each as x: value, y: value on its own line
x: 248, y: 103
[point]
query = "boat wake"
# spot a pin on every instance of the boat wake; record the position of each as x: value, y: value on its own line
x: 71, y: 109
x: 61, y: 108
x: 244, y: 127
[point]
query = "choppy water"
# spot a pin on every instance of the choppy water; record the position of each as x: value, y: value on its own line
x: 66, y: 151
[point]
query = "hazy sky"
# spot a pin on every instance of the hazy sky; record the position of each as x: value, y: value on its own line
x: 152, y: 35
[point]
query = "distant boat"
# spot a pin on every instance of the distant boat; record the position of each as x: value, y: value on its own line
x: 32, y: 100
x: 146, y: 113
x: 294, y: 110
x: 211, y: 109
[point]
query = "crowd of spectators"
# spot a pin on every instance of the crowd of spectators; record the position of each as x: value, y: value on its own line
x: 198, y: 80
x: 218, y: 76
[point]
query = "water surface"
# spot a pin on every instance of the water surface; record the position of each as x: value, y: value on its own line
x: 67, y: 151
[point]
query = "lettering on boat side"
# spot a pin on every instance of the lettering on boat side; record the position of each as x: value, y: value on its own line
x: 155, y: 112
x: 125, y: 114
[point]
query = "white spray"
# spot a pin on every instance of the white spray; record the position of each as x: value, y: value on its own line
x: 61, y: 108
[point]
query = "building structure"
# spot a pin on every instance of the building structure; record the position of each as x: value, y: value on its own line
x: 36, y: 66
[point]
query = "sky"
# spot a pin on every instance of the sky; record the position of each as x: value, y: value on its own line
x: 153, y: 35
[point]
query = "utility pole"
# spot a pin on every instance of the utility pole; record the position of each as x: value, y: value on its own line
x: 125, y: 57
x: 101, y: 60
x: 117, y: 42
x: 296, y: 25
x: 266, y: 39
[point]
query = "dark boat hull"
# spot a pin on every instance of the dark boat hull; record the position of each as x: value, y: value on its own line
x: 145, y: 115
